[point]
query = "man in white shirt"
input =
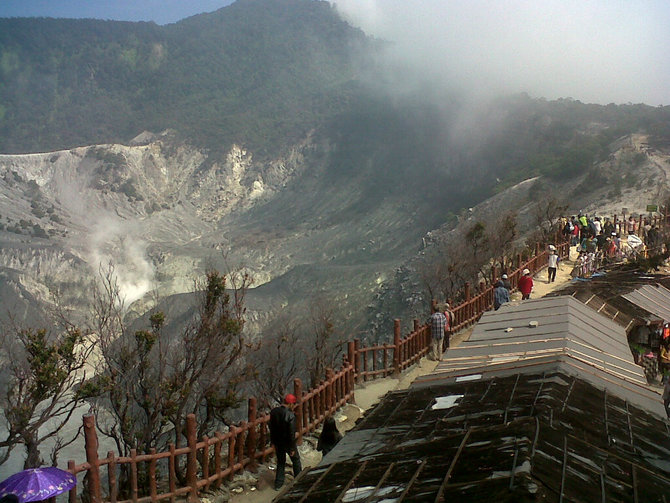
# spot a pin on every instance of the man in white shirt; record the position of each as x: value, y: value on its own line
x: 552, y: 264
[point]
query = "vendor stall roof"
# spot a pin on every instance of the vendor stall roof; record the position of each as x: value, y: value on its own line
x: 545, y: 436
x: 606, y: 293
x: 552, y: 410
x: 554, y: 333
x: 652, y: 298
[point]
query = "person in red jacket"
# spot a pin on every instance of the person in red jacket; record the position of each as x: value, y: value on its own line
x: 525, y: 284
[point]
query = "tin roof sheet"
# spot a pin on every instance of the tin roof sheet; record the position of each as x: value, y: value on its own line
x: 553, y: 411
x: 652, y: 298
x: 539, y: 436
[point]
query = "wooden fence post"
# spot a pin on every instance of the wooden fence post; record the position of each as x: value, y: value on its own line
x: 172, y: 473
x: 321, y: 401
x: 349, y: 380
x: 330, y: 390
x: 351, y: 353
x: 111, y: 479
x: 152, y: 475
x: 72, y: 494
x: 299, y: 410
x: 91, y: 446
x: 418, y: 340
x: 396, y: 345
x: 134, y: 489
x: 252, y: 440
x: 232, y: 438
x: 192, y: 458
x: 356, y: 361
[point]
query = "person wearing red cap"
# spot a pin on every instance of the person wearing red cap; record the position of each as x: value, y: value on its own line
x: 282, y: 436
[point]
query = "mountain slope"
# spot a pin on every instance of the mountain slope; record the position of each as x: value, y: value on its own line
x: 254, y: 137
x: 260, y: 72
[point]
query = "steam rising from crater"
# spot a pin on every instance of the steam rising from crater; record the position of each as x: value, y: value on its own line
x: 118, y: 242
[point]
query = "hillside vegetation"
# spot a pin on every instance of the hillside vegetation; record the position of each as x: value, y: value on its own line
x: 259, y: 72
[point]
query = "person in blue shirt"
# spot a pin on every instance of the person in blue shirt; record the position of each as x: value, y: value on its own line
x: 500, y: 295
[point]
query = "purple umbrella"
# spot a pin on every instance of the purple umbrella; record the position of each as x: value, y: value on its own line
x: 36, y: 484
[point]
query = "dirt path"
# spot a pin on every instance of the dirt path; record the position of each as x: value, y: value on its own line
x: 369, y: 394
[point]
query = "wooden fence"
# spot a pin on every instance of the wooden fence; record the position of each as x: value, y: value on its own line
x: 210, y: 460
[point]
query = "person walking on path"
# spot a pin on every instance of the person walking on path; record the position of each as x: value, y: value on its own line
x: 552, y: 264
x: 282, y: 436
x: 449, y: 327
x: 438, y: 329
x: 525, y: 285
x: 500, y: 295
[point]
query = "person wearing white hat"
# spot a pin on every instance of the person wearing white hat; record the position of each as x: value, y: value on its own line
x: 525, y: 285
x: 506, y: 282
x: 552, y: 264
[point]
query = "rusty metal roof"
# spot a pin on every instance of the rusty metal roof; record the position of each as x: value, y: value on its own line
x: 652, y: 298
x: 540, y: 413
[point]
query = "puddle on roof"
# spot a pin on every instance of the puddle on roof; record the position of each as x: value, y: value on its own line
x: 523, y: 468
x: 364, y: 492
x: 445, y: 402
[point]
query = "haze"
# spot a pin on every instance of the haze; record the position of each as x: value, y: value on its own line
x: 600, y: 51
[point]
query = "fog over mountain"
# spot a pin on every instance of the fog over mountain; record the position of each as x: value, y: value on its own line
x: 305, y: 150
x: 597, y: 52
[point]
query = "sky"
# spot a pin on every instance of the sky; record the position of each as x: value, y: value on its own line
x: 158, y: 11
x: 595, y: 51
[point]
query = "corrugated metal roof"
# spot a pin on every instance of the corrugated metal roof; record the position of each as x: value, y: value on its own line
x: 545, y: 436
x: 568, y: 336
x: 618, y: 310
x: 652, y: 298
x: 553, y: 411
x: 606, y: 293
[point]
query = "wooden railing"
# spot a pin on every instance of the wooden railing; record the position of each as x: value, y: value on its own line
x: 474, y: 305
x: 212, y: 459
